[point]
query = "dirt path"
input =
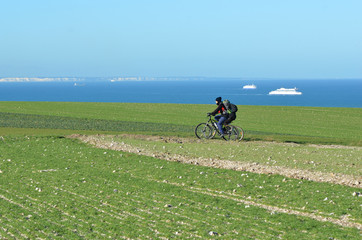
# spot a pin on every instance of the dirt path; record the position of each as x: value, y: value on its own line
x: 100, y: 142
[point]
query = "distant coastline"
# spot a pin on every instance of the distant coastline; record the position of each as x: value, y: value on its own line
x: 46, y: 79
x: 97, y: 79
x: 140, y: 78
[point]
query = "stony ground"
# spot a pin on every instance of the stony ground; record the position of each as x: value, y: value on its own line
x: 106, y: 142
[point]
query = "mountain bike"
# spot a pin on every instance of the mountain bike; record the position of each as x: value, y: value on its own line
x: 209, y: 130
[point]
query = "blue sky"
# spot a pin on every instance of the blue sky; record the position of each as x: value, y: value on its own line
x: 231, y: 38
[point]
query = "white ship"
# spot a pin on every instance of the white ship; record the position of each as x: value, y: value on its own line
x: 285, y: 91
x: 252, y: 86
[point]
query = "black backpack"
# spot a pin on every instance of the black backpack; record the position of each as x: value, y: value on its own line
x: 231, y: 108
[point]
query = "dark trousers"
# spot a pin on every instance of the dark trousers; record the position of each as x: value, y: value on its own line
x: 232, y: 117
x: 221, y: 119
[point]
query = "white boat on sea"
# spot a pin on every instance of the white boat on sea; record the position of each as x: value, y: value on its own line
x: 252, y: 86
x: 285, y: 91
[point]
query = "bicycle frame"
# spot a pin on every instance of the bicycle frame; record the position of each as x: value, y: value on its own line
x: 212, y: 122
x: 209, y: 129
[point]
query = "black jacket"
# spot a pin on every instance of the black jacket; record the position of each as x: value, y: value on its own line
x: 222, y: 109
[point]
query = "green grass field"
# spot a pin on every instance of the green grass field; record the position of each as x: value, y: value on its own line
x: 58, y: 188
x: 53, y: 187
x: 293, y: 124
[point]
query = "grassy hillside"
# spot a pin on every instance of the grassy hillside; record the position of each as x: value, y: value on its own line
x: 53, y: 187
x: 296, y: 124
x: 58, y: 188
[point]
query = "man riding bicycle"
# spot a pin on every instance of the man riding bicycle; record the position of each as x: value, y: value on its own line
x: 227, y: 113
x: 223, y: 114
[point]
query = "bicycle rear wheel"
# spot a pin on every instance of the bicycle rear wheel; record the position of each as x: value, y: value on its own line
x: 203, y: 131
x: 241, y: 133
x: 232, y: 133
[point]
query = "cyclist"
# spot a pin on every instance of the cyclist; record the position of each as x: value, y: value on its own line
x: 223, y: 114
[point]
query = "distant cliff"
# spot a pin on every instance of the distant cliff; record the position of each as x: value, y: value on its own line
x: 40, y: 79
x: 93, y: 79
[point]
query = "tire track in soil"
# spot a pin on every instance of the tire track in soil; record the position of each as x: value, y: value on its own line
x: 335, y: 178
x: 344, y: 222
x: 99, y: 142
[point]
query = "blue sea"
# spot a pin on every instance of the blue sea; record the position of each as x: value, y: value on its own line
x: 316, y: 93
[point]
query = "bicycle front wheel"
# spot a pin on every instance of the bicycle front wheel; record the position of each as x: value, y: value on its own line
x: 203, y: 131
